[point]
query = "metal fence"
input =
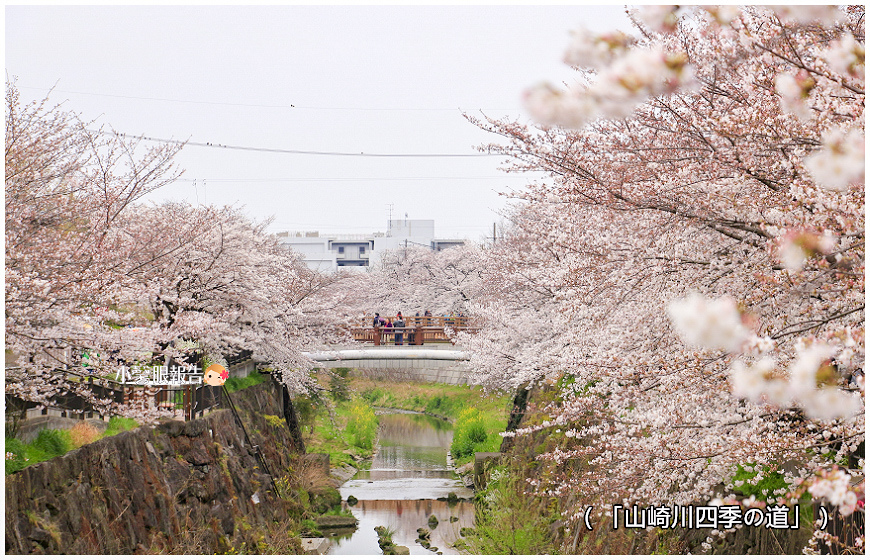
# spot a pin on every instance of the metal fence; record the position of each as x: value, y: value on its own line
x: 181, y: 402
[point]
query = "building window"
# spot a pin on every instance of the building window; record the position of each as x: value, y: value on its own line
x: 362, y: 251
x: 341, y: 250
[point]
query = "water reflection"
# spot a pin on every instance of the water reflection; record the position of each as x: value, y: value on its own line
x: 401, y: 488
x: 414, y: 430
x: 405, y: 516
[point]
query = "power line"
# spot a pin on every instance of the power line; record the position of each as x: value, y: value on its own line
x: 162, y: 99
x: 257, y: 105
x: 286, y: 151
x: 349, y: 179
x: 291, y: 224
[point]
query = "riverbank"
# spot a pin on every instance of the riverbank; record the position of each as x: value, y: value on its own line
x: 409, y: 486
x: 390, y: 410
x: 440, y: 399
x: 477, y: 417
x: 333, y: 421
x: 415, y: 472
x: 344, y: 422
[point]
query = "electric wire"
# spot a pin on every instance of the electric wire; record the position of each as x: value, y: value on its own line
x: 287, y: 151
x: 344, y: 179
x: 259, y: 105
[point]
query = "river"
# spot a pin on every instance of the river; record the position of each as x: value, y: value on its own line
x: 400, y: 490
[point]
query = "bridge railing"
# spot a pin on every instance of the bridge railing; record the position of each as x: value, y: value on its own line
x: 418, y: 330
x: 456, y: 322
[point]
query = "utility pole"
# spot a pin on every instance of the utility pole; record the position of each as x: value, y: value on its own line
x: 493, y: 234
x: 390, y: 220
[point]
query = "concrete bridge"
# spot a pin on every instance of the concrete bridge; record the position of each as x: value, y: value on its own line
x: 401, y: 362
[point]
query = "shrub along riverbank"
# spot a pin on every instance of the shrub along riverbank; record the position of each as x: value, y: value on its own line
x: 337, y: 421
x: 340, y: 421
x: 477, y: 417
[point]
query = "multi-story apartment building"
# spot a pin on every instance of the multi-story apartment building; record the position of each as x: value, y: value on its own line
x: 328, y: 253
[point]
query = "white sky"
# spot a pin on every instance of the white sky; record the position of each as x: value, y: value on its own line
x: 377, y: 79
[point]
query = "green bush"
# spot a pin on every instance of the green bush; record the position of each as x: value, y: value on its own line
x: 19, y: 458
x: 325, y: 499
x: 306, y: 413
x: 53, y: 443
x: 474, y: 433
x: 119, y: 424
x: 339, y: 386
x: 372, y: 395
x: 435, y: 403
x: 510, y: 519
x: 362, y: 426
x: 234, y: 384
x: 442, y: 405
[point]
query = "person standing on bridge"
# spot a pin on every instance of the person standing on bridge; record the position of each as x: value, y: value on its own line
x: 415, y: 322
x: 399, y: 325
x: 378, y: 322
x: 388, y: 329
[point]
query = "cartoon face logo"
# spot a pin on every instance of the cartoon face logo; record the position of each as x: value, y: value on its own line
x: 216, y: 375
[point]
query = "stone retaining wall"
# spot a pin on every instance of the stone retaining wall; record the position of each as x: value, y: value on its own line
x: 179, y: 486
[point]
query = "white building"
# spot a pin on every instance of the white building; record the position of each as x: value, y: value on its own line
x: 328, y: 253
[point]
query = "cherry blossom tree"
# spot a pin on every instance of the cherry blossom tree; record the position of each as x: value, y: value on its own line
x: 707, y: 171
x: 89, y: 268
x: 68, y: 191
x: 233, y: 289
x: 415, y: 279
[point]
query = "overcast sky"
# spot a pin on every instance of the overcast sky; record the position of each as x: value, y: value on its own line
x: 341, y: 79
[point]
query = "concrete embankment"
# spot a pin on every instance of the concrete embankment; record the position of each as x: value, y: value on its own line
x: 411, y: 363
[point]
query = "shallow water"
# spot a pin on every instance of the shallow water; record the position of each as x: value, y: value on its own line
x: 400, y: 489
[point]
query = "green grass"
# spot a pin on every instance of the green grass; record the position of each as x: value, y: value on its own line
x: 510, y: 519
x: 354, y: 430
x: 475, y: 432
x: 339, y: 511
x: 441, y: 399
x: 118, y: 425
x: 49, y: 444
x: 19, y: 457
x: 234, y: 384
x: 338, y: 422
